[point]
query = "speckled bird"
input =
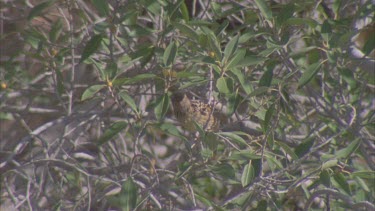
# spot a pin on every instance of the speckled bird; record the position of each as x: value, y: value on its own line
x: 188, y: 111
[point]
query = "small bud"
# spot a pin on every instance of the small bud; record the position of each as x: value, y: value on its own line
x: 3, y: 85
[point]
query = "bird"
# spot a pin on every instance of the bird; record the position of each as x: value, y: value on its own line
x: 188, y: 111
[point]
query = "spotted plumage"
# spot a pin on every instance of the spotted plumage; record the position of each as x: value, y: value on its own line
x: 189, y: 111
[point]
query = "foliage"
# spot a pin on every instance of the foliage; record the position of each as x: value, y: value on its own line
x: 86, y: 119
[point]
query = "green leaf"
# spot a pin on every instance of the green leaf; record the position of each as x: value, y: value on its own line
x: 55, y: 30
x: 173, y: 8
x: 363, y: 184
x: 111, y: 70
x: 130, y: 17
x: 262, y: 206
x: 267, y: 118
x: 304, y: 147
x: 244, y: 155
x: 329, y: 164
x: 224, y: 85
x: 161, y: 108
x: 112, y: 131
x: 129, y: 195
x: 369, y: 46
x: 287, y: 149
x: 38, y: 9
x: 134, y: 80
x: 184, y: 11
x: 230, y: 48
x: 247, y: 175
x: 268, y: 51
x: 241, y: 78
x: 342, y: 181
x: 222, y: 27
x: 91, y: 91
x: 144, y: 53
x: 347, y: 151
x: 348, y: 77
x: 266, y: 78
x: 364, y: 174
x: 250, y: 60
x: 186, y: 30
x: 264, y: 9
x: 224, y: 169
x: 259, y: 91
x: 169, y: 129
x: 286, y: 13
x: 214, y: 45
x: 238, y: 56
x: 206, y: 153
x: 129, y: 100
x: 274, y: 163
x: 170, y: 54
x: 60, y: 82
x: 326, y: 30
x: 325, y: 178
x: 204, y: 59
x: 101, y: 6
x: 183, y: 169
x: 307, y: 75
x: 233, y: 137
x: 233, y: 102
x: 302, y: 21
x: 153, y: 6
x: 91, y: 46
x: 204, y: 200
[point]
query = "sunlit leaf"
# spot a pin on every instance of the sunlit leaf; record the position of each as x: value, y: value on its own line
x: 247, y: 175
x: 230, y: 48
x: 186, y: 30
x: 234, y: 137
x: 264, y: 9
x: 184, y: 11
x: 365, y: 174
x: 308, y: 74
x: 347, y: 151
x: 170, y: 54
x: 245, y: 84
x: 342, y: 181
x: 91, y: 91
x: 238, y: 56
x: 112, y: 131
x: 244, y: 155
x: 224, y: 85
x: 129, y: 195
x: 162, y: 105
x: 129, y: 100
